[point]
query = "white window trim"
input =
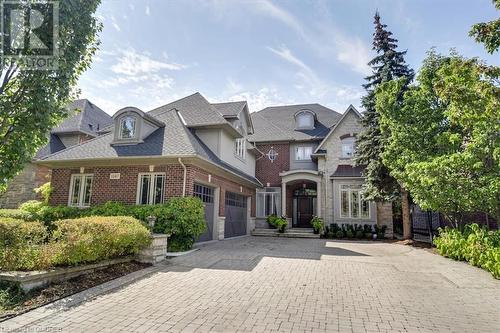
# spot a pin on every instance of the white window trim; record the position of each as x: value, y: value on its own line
x: 151, y: 188
x: 240, y: 148
x: 349, y: 204
x: 120, y: 133
x: 304, y: 114
x: 273, y: 195
x: 81, y: 190
x: 351, y: 142
x: 306, y: 159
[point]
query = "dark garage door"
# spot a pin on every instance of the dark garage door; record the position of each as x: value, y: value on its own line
x: 236, y: 215
x: 206, y: 194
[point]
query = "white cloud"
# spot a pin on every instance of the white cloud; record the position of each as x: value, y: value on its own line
x: 131, y: 62
x: 131, y: 6
x: 115, y: 24
x: 148, y: 10
x: 350, y: 50
x: 258, y: 100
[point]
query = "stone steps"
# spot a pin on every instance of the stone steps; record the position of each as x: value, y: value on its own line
x: 290, y: 233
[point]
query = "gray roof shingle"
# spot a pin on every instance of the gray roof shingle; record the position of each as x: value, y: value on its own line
x: 195, y: 110
x: 229, y: 109
x: 277, y: 123
x: 87, y: 118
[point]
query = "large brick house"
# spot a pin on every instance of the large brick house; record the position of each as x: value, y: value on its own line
x: 83, y: 124
x: 291, y: 160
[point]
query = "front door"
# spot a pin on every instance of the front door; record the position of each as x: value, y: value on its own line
x: 304, y: 207
x: 304, y: 212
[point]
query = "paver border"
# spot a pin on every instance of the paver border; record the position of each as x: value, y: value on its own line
x: 64, y: 304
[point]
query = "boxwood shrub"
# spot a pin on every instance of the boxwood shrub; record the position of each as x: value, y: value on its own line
x: 474, y: 244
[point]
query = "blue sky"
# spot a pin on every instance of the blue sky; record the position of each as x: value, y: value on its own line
x: 266, y: 52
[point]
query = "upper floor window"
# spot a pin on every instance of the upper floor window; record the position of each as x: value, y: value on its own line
x: 348, y: 147
x: 304, y: 120
x: 128, y: 127
x: 240, y: 148
x: 80, y: 190
x: 303, y: 153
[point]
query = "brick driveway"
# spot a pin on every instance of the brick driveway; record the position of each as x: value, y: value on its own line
x: 284, y: 285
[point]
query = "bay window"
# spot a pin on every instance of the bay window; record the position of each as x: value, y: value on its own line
x: 150, y: 188
x: 352, y: 203
x: 268, y: 202
x: 80, y: 190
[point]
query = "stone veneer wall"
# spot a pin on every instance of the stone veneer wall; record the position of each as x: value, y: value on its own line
x: 21, y: 188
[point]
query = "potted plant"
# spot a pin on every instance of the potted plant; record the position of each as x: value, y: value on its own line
x: 270, y: 220
x: 279, y: 223
x: 367, y: 229
x: 317, y: 224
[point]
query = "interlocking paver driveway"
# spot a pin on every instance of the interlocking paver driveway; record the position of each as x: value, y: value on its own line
x: 291, y: 285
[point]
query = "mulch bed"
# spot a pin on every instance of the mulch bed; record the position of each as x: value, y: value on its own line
x: 421, y: 245
x: 56, y: 291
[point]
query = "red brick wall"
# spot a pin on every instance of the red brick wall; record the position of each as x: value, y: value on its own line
x: 125, y: 189
x: 267, y: 171
x: 224, y: 184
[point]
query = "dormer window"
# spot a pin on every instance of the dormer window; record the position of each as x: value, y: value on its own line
x: 128, y: 127
x: 304, y: 120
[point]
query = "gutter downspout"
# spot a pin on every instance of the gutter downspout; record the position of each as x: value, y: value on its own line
x: 184, y: 179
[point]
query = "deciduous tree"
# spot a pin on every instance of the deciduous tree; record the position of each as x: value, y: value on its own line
x: 34, y: 101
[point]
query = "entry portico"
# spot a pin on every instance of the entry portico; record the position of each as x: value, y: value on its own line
x: 301, y: 196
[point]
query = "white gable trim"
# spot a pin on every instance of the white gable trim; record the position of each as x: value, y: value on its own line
x: 349, y: 109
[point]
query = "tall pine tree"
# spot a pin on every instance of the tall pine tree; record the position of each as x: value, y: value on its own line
x: 387, y: 65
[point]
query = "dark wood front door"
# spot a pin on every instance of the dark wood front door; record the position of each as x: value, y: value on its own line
x: 305, y: 211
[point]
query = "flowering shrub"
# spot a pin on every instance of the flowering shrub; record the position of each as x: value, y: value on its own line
x: 474, y: 244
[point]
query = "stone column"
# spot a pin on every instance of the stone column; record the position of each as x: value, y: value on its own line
x: 283, y: 198
x: 318, y: 199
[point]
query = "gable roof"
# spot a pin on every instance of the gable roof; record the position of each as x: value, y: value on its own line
x: 87, y: 118
x: 230, y: 109
x: 277, y: 123
x: 172, y: 140
x: 350, y: 109
x: 195, y: 110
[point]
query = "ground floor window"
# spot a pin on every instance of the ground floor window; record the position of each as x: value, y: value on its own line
x: 352, y: 203
x: 150, y: 188
x: 268, y: 201
x: 80, y: 190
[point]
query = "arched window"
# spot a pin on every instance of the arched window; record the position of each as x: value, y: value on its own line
x: 128, y: 127
x: 304, y: 120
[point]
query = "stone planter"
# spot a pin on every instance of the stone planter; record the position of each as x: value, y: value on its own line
x: 156, y: 251
x: 37, y: 279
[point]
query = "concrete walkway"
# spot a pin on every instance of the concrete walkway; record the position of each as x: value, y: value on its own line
x: 263, y: 284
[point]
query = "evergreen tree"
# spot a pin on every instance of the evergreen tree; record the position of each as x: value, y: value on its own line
x: 387, y: 65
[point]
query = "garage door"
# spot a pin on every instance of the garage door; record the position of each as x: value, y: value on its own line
x: 236, y: 215
x: 206, y: 194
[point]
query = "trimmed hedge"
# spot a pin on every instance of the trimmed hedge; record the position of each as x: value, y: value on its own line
x: 91, y: 239
x: 21, y: 244
x: 474, y: 244
x: 182, y: 218
x: 30, y: 246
